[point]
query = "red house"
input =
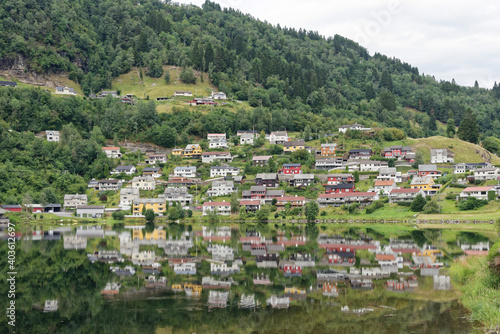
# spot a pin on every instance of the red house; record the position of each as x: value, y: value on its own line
x: 424, y: 170
x: 340, y: 178
x: 292, y: 271
x: 291, y: 169
x: 12, y: 208
x: 339, y: 188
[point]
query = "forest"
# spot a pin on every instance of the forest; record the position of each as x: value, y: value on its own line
x: 285, y: 71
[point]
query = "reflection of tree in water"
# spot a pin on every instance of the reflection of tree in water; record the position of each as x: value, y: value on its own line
x: 471, y: 238
x: 419, y: 237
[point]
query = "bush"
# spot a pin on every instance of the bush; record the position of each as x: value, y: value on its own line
x: 431, y: 207
x: 418, y: 203
x: 187, y: 76
x: 118, y: 215
x: 452, y: 196
x: 471, y: 203
x: 404, y: 203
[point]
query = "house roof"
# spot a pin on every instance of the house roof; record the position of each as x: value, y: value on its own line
x: 8, y: 83
x: 215, y: 153
x: 291, y: 198
x: 485, y: 169
x: 405, y: 191
x: 149, y: 200
x: 224, y: 167
x: 128, y: 167
x: 111, y: 148
x: 384, y: 183
x: 303, y: 176
x: 185, y: 167
x: 361, y: 150
x: 275, y: 192
x: 261, y: 157
x: 249, y: 202
x: 422, y: 180
x: 216, y: 134
x: 340, y: 175
x: 354, y: 194
x: 93, y: 207
x: 385, y: 257
x: 279, y: 133
x: 54, y: 132
x: 151, y: 169
x: 329, y: 145
x: 291, y: 165
x: 217, y: 204
x: 11, y: 206
x: 427, y: 168
x: 294, y: 143
x: 472, y: 189
x: 340, y: 186
x: 258, y: 188
x: 266, y: 176
x: 109, y: 181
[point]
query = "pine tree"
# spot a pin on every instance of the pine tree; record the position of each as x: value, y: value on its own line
x: 468, y: 129
x: 418, y: 203
x: 450, y: 128
x: 386, y: 81
x: 476, y: 84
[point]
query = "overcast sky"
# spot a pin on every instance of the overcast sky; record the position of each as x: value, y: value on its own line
x: 448, y: 39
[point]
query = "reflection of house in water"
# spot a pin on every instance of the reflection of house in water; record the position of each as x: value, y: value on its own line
x: 74, y: 242
x: 51, y: 305
x: 221, y: 233
x: 267, y: 260
x: 292, y: 271
x: 217, y: 299
x: 223, y: 269
x: 247, y: 301
x: 154, y: 282
x: 220, y: 252
x: 343, y: 244
x: 178, y: 247
x: 155, y: 269
x: 295, y: 293
x: 338, y: 257
x: 127, y: 271
x: 127, y: 246
x: 261, y: 279
x: 402, y: 285
x: 442, y: 283
x: 51, y: 235
x: 331, y: 275
x: 299, y: 259
x: 211, y: 283
x: 146, y: 258
x: 404, y: 246
x: 278, y: 302
x: 157, y: 237
x: 185, y: 269
x: 481, y: 248
x: 330, y: 290
x: 365, y: 284
x: 92, y: 231
x: 426, y: 264
x: 112, y: 288
x: 105, y: 256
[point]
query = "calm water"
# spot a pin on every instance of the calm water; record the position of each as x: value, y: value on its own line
x: 48, y: 271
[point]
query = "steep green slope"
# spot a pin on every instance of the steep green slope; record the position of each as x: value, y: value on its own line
x: 278, y: 68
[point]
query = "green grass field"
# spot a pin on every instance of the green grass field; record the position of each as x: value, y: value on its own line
x: 131, y: 83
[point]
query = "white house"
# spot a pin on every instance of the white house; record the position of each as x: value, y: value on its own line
x: 65, y: 90
x: 209, y: 157
x: 156, y: 158
x: 216, y: 171
x: 372, y: 165
x: 217, y: 140
x: 389, y: 173
x: 74, y: 200
x: 128, y: 170
x: 487, y: 173
x: 247, y: 138
x: 52, y: 135
x: 354, y: 126
x: 465, y: 167
x: 278, y: 137
x: 185, y: 171
x: 441, y: 155
x: 178, y: 195
x: 128, y: 195
x: 385, y: 186
x: 218, y: 96
x: 112, y: 151
x: 221, y: 188
x: 182, y: 93
x: 143, y: 182
x: 477, y: 192
x: 90, y: 211
x: 404, y: 195
x: 221, y: 208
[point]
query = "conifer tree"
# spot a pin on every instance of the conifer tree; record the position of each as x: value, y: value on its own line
x: 468, y: 129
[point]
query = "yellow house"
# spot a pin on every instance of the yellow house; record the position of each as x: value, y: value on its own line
x: 295, y: 291
x: 426, y: 183
x: 158, y: 205
x: 177, y: 151
x: 156, y: 235
x: 192, y: 150
x: 294, y: 145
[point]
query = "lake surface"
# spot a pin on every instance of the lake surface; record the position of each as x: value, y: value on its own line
x: 48, y: 271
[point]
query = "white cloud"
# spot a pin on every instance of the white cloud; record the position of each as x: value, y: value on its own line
x: 448, y: 39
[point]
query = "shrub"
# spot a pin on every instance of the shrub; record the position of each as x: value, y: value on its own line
x: 431, y: 207
x: 471, y: 203
x: 418, y: 203
x: 404, y: 203
x: 452, y: 196
x: 118, y: 215
x: 187, y: 76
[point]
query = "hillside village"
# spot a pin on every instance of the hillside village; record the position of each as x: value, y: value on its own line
x: 275, y: 176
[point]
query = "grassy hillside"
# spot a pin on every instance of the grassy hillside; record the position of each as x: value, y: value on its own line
x: 440, y: 125
x: 51, y: 82
x: 464, y: 151
x: 131, y: 83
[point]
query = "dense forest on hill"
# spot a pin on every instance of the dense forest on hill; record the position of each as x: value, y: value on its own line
x: 280, y: 69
